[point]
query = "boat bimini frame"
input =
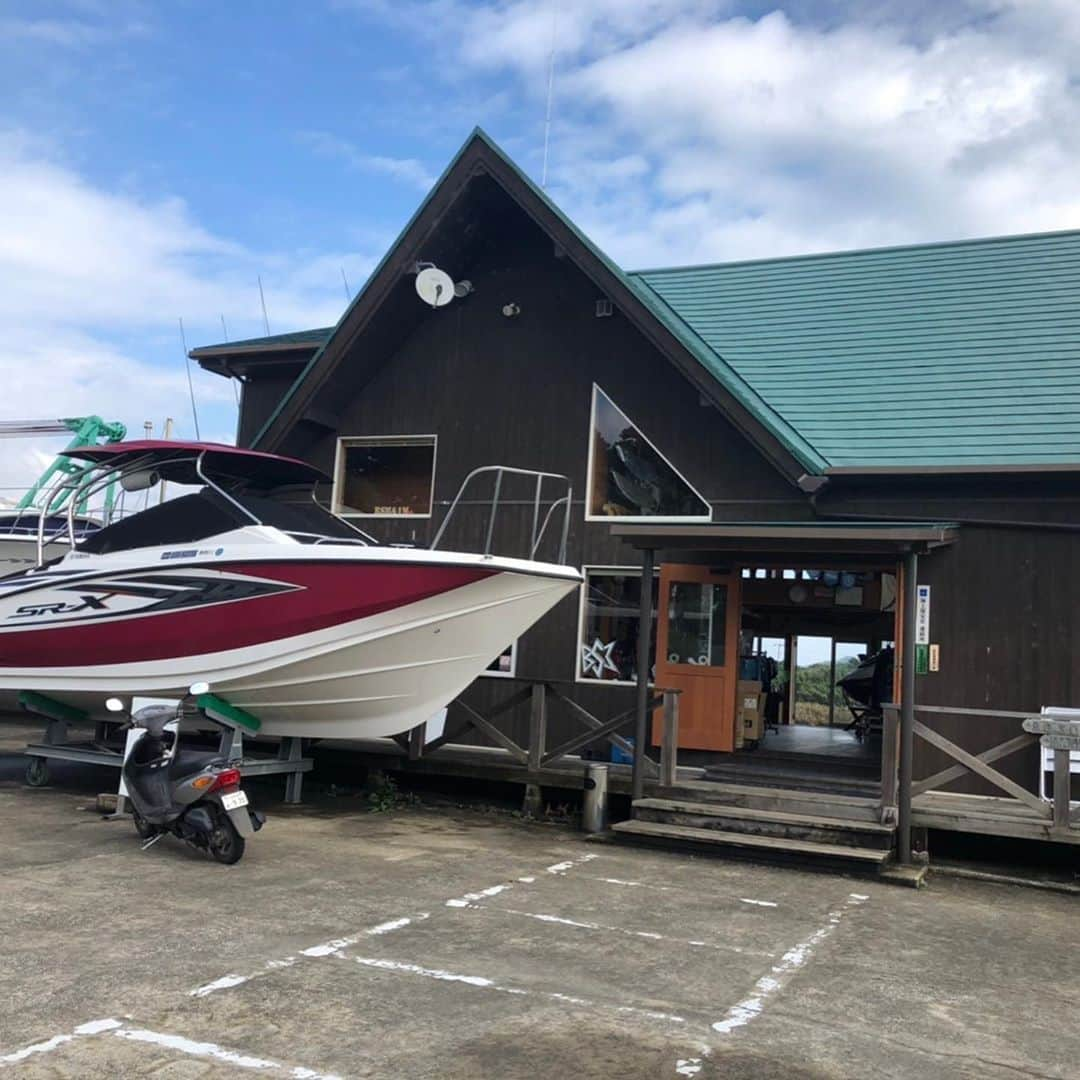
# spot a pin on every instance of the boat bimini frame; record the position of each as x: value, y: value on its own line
x: 145, y: 471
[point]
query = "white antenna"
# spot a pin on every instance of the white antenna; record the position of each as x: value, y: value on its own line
x: 550, y: 95
x: 191, y: 385
x: 348, y: 291
x: 232, y: 378
x: 262, y: 300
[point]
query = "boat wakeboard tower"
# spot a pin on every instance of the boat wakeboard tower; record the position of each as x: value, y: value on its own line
x: 287, y: 610
x: 19, y: 524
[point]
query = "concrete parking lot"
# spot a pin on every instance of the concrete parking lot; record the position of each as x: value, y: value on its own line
x: 449, y: 943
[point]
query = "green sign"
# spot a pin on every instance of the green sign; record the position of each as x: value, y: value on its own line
x: 922, y: 659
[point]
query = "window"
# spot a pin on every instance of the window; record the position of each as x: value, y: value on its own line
x: 385, y: 476
x: 608, y: 627
x: 697, y: 616
x: 628, y: 477
x: 504, y: 666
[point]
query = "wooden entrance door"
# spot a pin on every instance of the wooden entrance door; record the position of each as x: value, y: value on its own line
x: 697, y: 652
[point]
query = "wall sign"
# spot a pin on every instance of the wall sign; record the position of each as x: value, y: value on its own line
x: 922, y: 615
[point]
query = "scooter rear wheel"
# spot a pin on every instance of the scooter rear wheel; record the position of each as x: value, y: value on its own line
x: 226, y: 844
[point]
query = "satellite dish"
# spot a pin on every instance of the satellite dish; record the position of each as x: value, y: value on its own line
x: 435, y: 287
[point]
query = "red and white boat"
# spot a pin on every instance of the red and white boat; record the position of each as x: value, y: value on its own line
x: 286, y: 610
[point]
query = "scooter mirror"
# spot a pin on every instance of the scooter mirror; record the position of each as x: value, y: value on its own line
x: 114, y: 704
x: 198, y: 688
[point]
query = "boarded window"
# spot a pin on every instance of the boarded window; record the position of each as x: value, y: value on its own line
x: 607, y: 648
x: 385, y: 477
x: 629, y: 477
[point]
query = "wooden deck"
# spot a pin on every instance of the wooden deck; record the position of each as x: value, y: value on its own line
x: 987, y: 815
x: 481, y: 763
x: 932, y: 810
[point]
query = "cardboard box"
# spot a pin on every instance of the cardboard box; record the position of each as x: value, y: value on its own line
x: 749, y: 712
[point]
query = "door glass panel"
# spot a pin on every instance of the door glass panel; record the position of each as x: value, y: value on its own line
x: 697, y: 614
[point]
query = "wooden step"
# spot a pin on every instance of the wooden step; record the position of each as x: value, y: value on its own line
x: 750, y: 842
x: 815, y: 780
x: 816, y: 827
x: 765, y: 797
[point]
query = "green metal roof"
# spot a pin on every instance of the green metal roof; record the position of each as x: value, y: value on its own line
x: 940, y: 355
x: 314, y: 338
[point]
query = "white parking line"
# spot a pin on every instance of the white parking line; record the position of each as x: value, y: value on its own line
x: 767, y: 986
x: 470, y: 897
x: 92, y: 1027
x: 178, y: 1043
x: 326, y: 948
x: 678, y: 888
x: 562, y: 867
x: 484, y: 983
x: 580, y: 924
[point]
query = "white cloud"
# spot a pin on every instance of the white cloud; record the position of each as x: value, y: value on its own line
x: 92, y: 284
x: 811, y: 127
x: 409, y: 170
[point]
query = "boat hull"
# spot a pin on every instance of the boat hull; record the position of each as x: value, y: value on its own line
x: 318, y: 648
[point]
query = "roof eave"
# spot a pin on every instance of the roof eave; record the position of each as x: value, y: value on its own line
x: 989, y: 469
x: 210, y: 351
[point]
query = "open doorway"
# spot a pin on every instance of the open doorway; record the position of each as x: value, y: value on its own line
x: 816, y: 665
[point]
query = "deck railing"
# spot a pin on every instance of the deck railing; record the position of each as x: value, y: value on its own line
x: 536, y: 754
x: 1057, y: 814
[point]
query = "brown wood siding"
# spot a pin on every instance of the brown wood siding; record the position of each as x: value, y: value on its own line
x: 261, y: 394
x: 1005, y: 608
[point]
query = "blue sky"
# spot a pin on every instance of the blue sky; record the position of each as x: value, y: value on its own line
x: 156, y: 158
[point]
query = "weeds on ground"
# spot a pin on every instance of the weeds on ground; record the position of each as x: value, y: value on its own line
x: 386, y: 796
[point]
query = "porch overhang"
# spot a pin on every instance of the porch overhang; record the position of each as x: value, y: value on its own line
x: 770, y: 540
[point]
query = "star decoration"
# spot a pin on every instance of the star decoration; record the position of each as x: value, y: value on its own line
x: 596, y: 658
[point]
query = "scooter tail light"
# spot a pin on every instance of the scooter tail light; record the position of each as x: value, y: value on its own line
x: 225, y: 779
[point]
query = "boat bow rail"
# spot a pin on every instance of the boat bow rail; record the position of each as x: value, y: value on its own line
x: 541, y: 518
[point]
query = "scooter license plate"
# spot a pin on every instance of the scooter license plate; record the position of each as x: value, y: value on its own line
x: 234, y: 800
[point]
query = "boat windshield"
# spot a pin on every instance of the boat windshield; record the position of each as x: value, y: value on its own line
x: 198, y: 516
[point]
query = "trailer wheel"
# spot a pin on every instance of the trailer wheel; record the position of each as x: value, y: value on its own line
x: 37, y: 772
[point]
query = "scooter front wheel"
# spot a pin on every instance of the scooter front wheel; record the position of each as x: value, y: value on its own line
x: 142, y: 826
x: 226, y: 844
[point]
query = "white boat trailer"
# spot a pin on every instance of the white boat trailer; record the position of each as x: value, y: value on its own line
x: 102, y: 750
